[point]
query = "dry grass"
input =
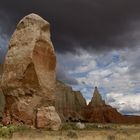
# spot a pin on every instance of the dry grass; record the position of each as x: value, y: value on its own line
x: 97, y: 132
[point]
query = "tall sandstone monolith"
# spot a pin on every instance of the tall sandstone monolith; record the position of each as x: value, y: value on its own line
x: 29, y: 74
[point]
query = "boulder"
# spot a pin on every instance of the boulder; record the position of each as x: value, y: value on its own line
x: 69, y: 104
x: 48, y: 118
x: 80, y: 125
x: 29, y: 75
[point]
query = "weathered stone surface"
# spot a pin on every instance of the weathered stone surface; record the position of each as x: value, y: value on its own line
x: 30, y: 61
x: 29, y: 75
x: 48, y: 118
x: 69, y: 104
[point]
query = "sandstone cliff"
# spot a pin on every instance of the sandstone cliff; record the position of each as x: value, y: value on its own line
x: 69, y: 104
x: 29, y: 77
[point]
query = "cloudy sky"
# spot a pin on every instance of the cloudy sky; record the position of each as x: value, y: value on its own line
x: 97, y: 44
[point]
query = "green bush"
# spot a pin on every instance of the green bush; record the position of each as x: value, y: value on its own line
x: 72, y: 134
x: 68, y: 126
x: 7, y: 131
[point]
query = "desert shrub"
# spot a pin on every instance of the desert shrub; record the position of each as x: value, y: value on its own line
x: 69, y: 126
x: 7, y: 131
x: 111, y: 137
x: 72, y: 134
x: 91, y: 126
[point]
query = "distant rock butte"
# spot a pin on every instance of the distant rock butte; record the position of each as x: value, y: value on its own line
x: 69, y: 104
x: 96, y: 99
x: 97, y: 111
x: 29, y: 75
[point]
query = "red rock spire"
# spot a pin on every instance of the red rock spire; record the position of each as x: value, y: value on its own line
x: 96, y: 99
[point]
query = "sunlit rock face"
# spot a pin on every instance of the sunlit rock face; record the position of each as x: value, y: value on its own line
x: 29, y: 74
x: 31, y: 60
x: 69, y: 104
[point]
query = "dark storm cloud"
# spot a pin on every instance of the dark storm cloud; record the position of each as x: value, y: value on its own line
x: 96, y: 25
x: 64, y: 76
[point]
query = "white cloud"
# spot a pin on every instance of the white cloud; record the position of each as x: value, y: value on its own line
x: 91, y: 65
x: 116, y: 73
x: 127, y: 104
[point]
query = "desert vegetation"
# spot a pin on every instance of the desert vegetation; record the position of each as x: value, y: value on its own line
x: 70, y: 131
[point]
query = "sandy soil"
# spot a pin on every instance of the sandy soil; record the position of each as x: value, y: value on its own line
x: 114, y: 132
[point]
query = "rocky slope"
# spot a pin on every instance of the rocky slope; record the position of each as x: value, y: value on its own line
x: 69, y: 104
x: 29, y: 75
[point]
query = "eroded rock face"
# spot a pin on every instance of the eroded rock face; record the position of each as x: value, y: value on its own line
x: 48, y: 118
x: 29, y: 77
x: 69, y: 104
x: 31, y: 60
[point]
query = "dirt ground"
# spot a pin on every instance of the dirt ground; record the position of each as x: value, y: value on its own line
x: 100, y: 132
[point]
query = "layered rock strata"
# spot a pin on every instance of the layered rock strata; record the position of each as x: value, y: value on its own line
x: 69, y: 104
